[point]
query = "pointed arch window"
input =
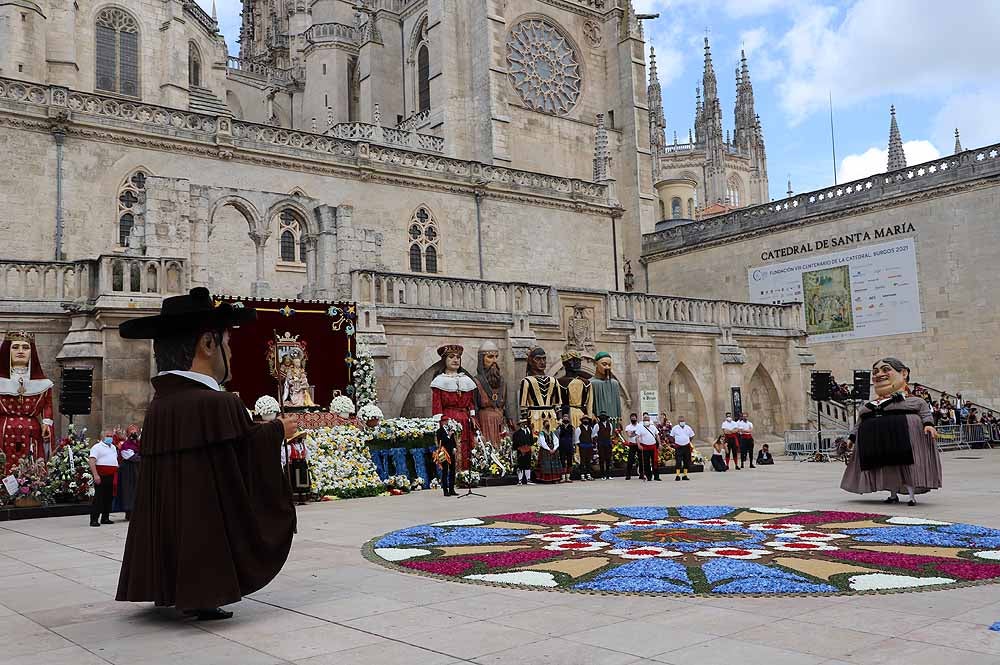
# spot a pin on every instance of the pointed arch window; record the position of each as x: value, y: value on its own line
x: 423, y: 78
x: 291, y: 237
x: 194, y: 65
x: 116, y: 48
x: 419, y: 62
x: 423, y: 239
x: 131, y: 201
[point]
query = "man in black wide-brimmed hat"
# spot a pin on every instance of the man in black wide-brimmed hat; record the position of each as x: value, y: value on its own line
x: 213, y: 517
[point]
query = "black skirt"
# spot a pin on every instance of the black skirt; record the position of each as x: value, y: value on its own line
x: 884, y: 440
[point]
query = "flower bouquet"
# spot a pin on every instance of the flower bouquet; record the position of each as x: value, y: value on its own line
x: 70, y: 479
x: 468, y: 478
x: 32, y: 477
x: 398, y: 485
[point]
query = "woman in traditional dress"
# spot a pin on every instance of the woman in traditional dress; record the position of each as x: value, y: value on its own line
x: 894, y: 447
x: 453, y: 395
x: 128, y: 470
x: 25, y: 401
x: 550, y: 467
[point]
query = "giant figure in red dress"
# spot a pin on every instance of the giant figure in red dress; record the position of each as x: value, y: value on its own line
x: 25, y: 400
x: 453, y: 395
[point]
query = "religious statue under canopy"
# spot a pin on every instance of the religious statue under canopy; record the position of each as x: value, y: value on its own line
x: 539, y: 394
x: 296, y: 390
x: 453, y: 395
x: 288, y: 356
x: 607, y: 392
x: 491, y: 395
x: 25, y: 400
x: 577, y: 396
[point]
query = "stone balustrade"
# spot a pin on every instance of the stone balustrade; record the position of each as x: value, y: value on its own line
x: 201, y: 16
x: 469, y: 299
x: 941, y: 172
x: 414, y: 120
x: 369, y: 133
x: 654, y: 309
x: 87, y: 280
x: 456, y: 296
x: 48, y: 281
x: 337, y: 33
x: 261, y: 71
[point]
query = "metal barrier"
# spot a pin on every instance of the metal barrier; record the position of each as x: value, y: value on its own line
x: 804, y: 442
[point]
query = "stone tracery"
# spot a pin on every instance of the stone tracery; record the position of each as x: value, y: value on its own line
x: 543, y: 67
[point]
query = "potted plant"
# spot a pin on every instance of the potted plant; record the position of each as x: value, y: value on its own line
x: 370, y: 415
x: 32, y: 481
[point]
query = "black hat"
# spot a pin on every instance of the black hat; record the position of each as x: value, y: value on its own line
x: 192, y: 313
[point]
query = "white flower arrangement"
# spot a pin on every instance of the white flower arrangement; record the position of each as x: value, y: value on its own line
x: 401, y: 483
x: 365, y: 386
x: 340, y: 463
x: 464, y: 478
x: 435, y: 484
x: 370, y: 412
x: 453, y: 426
x: 417, y: 484
x: 342, y: 405
x: 266, y: 406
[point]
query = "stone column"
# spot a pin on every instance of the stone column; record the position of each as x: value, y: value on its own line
x: 325, y: 251
x: 260, y: 287
x: 83, y: 347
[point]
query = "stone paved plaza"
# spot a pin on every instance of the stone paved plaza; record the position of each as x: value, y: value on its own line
x: 330, y: 605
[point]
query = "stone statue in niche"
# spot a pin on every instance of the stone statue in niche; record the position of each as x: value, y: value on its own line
x: 580, y: 330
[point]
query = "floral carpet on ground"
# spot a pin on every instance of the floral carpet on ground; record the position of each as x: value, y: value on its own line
x: 698, y: 550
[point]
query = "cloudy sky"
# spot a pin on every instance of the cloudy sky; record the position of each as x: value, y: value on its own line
x: 936, y: 61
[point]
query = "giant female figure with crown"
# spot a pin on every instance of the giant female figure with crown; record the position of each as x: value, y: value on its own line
x: 25, y: 400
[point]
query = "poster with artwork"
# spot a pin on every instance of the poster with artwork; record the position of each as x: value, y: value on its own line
x: 866, y: 291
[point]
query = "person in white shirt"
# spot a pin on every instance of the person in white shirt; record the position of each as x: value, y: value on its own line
x: 683, y: 434
x: 732, y: 440
x: 103, y: 462
x: 745, y: 429
x: 647, y: 436
x: 633, y: 445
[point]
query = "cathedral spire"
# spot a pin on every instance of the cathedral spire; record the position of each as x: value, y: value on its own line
x: 657, y: 121
x: 897, y: 158
x: 789, y: 192
x: 709, y: 84
x: 746, y: 115
x: 215, y: 14
x: 958, y: 142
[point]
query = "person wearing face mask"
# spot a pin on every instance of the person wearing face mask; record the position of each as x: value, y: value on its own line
x: 549, y: 465
x: 566, y: 434
x: 632, y: 439
x: 213, y: 518
x: 647, y: 437
x: 523, y: 441
x: 603, y: 433
x: 894, y: 447
x: 744, y: 429
x: 731, y: 439
x: 683, y: 434
x: 103, y: 462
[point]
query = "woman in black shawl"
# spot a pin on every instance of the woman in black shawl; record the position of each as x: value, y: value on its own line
x: 894, y: 446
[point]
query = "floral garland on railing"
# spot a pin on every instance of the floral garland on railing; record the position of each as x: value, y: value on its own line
x: 365, y: 386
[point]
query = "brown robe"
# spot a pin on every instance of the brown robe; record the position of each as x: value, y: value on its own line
x: 213, y: 518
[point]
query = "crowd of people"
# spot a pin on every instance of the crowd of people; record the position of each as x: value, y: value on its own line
x: 560, y: 452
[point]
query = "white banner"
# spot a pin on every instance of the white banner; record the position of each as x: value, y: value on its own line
x: 867, y: 291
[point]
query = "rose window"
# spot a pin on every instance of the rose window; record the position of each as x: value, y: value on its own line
x: 543, y: 67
